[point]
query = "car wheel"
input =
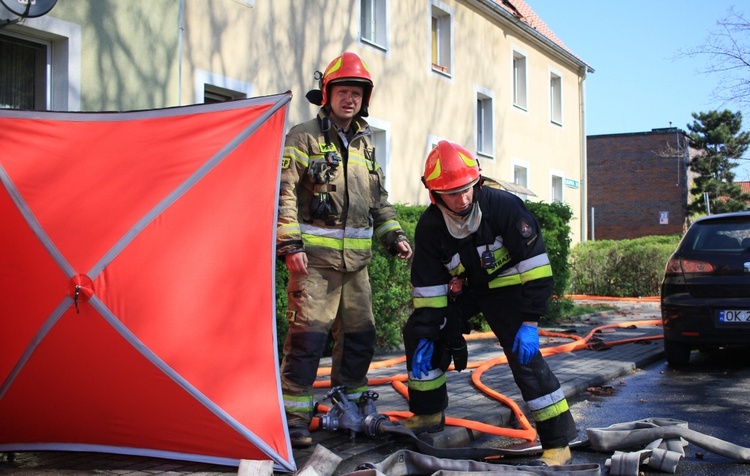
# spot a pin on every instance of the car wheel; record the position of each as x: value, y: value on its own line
x: 676, y: 353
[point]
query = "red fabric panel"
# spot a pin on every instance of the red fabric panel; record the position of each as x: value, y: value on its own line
x: 31, y: 285
x: 85, y: 384
x: 88, y: 183
x: 194, y: 288
x: 199, y: 267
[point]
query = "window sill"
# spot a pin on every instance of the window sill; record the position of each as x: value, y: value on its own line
x: 375, y: 45
x: 441, y: 69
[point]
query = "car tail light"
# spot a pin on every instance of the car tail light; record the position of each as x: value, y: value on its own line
x: 679, y: 266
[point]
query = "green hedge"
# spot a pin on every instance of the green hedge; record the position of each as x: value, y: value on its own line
x: 554, y: 220
x: 391, y: 287
x: 621, y: 268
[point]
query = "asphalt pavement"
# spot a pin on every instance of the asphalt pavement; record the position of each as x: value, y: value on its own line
x: 622, y: 344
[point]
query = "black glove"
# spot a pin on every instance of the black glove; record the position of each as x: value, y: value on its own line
x: 460, y: 353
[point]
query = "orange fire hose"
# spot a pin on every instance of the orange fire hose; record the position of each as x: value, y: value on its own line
x: 527, y: 431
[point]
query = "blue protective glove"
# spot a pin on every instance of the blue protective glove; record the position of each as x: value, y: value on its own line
x: 420, y: 364
x: 526, y: 344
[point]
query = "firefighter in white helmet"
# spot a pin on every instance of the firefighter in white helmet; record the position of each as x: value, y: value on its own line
x: 479, y: 249
x: 332, y: 204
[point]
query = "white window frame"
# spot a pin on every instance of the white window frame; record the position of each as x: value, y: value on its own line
x: 555, y: 98
x: 381, y: 139
x: 64, y: 44
x: 520, y: 80
x: 518, y: 165
x: 230, y: 87
x: 441, y: 38
x: 484, y: 117
x: 373, y: 23
x: 553, y: 196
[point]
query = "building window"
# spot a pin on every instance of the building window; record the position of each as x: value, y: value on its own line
x: 373, y: 23
x: 213, y: 94
x: 520, y: 177
x: 380, y: 141
x: 484, y: 128
x: 212, y: 88
x: 441, y: 40
x: 555, y: 98
x: 24, y: 81
x: 519, y: 80
x: 556, y: 193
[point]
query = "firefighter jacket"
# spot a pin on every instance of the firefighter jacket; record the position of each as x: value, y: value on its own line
x: 331, y: 199
x: 506, y: 250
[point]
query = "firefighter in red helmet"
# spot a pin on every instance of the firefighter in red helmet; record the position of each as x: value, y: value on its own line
x: 479, y: 249
x: 332, y: 203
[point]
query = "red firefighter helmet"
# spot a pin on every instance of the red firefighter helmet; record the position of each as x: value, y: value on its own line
x: 450, y: 168
x: 347, y: 68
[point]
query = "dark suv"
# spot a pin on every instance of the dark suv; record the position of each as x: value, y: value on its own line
x: 705, y: 294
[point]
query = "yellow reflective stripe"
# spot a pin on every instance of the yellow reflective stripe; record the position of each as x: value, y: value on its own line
x: 335, y: 66
x: 435, y: 302
x: 355, y: 393
x: 288, y: 228
x: 468, y: 160
x: 551, y: 411
x: 298, y: 155
x: 502, y: 281
x: 457, y: 271
x: 425, y: 385
x: 386, y: 227
x: 337, y: 243
x: 299, y: 404
x: 536, y: 273
x: 356, y: 158
x: 435, y: 172
x: 454, y: 265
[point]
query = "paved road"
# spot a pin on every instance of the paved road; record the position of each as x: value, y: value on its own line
x: 710, y: 395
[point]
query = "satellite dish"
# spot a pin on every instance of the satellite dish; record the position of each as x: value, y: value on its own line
x: 29, y: 8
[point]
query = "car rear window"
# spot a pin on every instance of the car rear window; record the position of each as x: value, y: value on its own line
x: 710, y: 235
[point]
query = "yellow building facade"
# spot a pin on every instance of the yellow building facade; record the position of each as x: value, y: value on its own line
x: 487, y: 74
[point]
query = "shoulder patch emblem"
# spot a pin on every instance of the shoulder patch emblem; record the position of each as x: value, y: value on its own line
x: 285, y: 162
x: 525, y: 229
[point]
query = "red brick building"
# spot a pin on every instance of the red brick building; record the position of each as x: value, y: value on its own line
x: 638, y: 184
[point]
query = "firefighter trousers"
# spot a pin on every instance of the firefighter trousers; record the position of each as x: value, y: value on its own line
x: 539, y: 387
x: 326, y: 300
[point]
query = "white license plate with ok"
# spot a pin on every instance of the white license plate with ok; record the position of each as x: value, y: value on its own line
x: 735, y: 315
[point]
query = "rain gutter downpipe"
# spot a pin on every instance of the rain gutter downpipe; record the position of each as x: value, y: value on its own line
x: 584, y: 160
x: 179, y: 52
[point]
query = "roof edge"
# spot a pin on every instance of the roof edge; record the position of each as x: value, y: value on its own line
x: 493, y: 8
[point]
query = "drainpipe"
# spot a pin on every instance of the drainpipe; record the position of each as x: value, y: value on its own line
x: 179, y: 53
x: 584, y: 167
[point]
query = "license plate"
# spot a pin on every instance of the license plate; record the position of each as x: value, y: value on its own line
x: 735, y: 315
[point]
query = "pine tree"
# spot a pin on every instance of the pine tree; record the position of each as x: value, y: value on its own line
x: 717, y: 138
